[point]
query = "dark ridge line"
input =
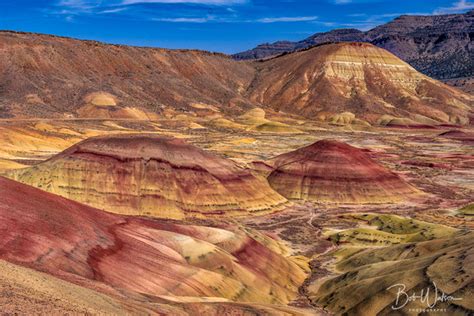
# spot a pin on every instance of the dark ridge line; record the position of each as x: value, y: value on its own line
x: 101, y: 43
x: 262, y: 60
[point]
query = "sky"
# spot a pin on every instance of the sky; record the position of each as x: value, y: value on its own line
x: 227, y: 26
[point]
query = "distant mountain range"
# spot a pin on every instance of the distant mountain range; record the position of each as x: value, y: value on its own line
x: 440, y: 46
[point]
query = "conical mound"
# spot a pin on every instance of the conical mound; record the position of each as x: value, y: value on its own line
x: 152, y: 175
x: 334, y: 172
x: 359, y: 79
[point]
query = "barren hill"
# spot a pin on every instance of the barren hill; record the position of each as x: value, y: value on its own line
x: 435, y: 266
x: 440, y: 46
x: 359, y: 78
x: 52, y: 77
x: 334, y: 172
x: 44, y: 76
x: 139, y: 262
x: 152, y: 175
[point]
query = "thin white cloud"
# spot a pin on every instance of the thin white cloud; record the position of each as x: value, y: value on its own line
x: 213, y: 18
x: 183, y: 20
x: 116, y: 10
x: 212, y: 2
x: 287, y: 19
x: 86, y: 5
x: 366, y: 22
x: 457, y: 7
x: 79, y: 4
x: 342, y: 1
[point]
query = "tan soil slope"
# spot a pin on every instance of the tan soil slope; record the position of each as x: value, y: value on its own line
x: 28, y: 292
x: 46, y: 76
x: 51, y: 77
x: 355, y: 78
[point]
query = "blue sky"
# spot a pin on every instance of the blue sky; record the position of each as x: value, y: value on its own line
x: 218, y: 25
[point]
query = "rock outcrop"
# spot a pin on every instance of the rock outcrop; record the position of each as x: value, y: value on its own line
x: 336, y: 173
x: 152, y: 175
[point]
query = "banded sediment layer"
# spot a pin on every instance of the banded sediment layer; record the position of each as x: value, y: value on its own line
x: 360, y: 79
x: 334, y: 172
x: 135, y: 258
x: 152, y: 175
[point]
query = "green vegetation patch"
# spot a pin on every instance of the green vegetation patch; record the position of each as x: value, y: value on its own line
x: 467, y: 210
x: 385, y: 230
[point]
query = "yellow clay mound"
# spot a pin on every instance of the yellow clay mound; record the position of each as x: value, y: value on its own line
x: 244, y: 141
x: 101, y: 99
x: 107, y: 112
x: 227, y: 124
x: 388, y: 120
x: 203, y: 106
x: 467, y: 210
x: 253, y: 117
x: 383, y: 230
x: 135, y: 113
x: 103, y: 105
x: 194, y: 125
x: 344, y: 118
x: 274, y: 127
x: 258, y: 123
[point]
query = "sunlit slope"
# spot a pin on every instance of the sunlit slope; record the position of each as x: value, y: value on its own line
x: 360, y: 79
x: 46, y: 76
x: 29, y: 292
x: 387, y: 253
x: 70, y: 240
x: 347, y: 83
x: 152, y: 175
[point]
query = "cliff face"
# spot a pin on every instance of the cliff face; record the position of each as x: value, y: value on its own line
x: 441, y: 46
x: 152, y: 175
x: 357, y: 79
x: 268, y: 50
x: 333, y: 172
